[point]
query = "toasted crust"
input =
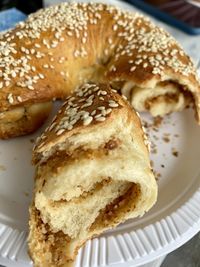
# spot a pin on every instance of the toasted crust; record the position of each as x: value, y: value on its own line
x: 106, y: 44
x: 85, y: 110
x: 93, y: 172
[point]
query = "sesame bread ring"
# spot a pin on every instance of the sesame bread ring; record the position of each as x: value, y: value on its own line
x: 92, y: 173
x: 56, y: 49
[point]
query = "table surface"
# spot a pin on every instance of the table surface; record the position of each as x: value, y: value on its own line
x: 186, y: 256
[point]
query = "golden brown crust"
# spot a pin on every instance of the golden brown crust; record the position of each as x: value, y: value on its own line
x: 91, y: 106
x: 106, y: 44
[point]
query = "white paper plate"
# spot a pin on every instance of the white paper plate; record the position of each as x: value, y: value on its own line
x: 174, y: 219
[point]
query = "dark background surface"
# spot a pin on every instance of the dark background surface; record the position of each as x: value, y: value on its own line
x: 26, y: 6
x: 186, y: 256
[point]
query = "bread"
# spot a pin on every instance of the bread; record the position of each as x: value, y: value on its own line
x: 24, y: 119
x: 93, y: 172
x: 56, y: 49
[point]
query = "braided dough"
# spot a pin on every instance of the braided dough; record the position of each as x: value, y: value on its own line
x: 93, y: 172
x: 58, y: 48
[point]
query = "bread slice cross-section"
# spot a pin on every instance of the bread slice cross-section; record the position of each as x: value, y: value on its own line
x: 92, y: 173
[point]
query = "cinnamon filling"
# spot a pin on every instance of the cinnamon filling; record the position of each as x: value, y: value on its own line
x: 168, y: 98
x: 61, y: 157
x: 122, y: 204
x: 56, y: 242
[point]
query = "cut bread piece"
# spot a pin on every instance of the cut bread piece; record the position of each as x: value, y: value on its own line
x: 23, y: 120
x: 93, y: 173
x: 159, y: 98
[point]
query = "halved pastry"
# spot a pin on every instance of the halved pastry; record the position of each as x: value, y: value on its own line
x: 93, y: 172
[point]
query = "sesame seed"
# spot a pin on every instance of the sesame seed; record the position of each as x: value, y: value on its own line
x: 106, y: 52
x: 7, y: 83
x: 60, y: 131
x: 13, y: 74
x: 32, y: 51
x: 70, y: 127
x: 69, y: 33
x: 57, y: 35
x: 109, y: 110
x: 101, y: 108
x: 133, y: 68
x: 112, y: 68
x: 113, y: 104
x: 10, y: 98
x: 41, y: 75
x: 87, y: 120
x: 19, y: 98
x: 23, y: 49
x: 85, y: 114
x: 115, y: 27
x: 124, y: 97
x: 87, y: 104
x: 84, y: 40
x: 100, y: 119
x: 52, y: 126
x: 37, y: 45
x: 93, y: 112
x: 98, y: 116
x: 110, y: 40
x: 103, y: 92
x: 30, y: 87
